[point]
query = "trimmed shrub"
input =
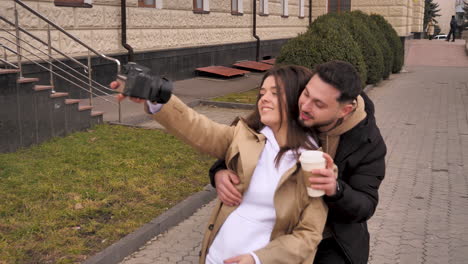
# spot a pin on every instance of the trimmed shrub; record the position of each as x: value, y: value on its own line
x: 393, y: 40
x: 325, y: 40
x: 369, y: 48
x: 382, y: 43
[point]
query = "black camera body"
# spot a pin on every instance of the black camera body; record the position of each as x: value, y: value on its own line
x: 136, y: 81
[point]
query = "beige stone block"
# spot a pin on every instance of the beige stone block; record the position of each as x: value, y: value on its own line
x: 318, y: 3
x: 275, y: 9
x: 186, y: 19
x: 106, y: 41
x: 90, y: 17
x: 396, y: 11
x: 400, y: 2
x: 7, y: 10
x: 8, y: 41
x: 69, y: 46
x: 130, y: 3
x: 316, y: 12
x: 62, y: 16
x: 277, y: 33
x: 248, y: 7
x: 25, y: 18
x: 397, y: 21
x: 362, y: 8
x: 401, y: 31
x: 221, y: 6
x: 179, y: 4
x: 170, y: 38
x: 112, y: 17
x: 382, y: 10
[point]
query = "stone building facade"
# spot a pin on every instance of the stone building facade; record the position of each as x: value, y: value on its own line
x: 169, y: 28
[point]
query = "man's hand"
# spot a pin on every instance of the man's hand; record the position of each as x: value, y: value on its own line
x: 328, y: 180
x: 242, y: 259
x: 114, y: 85
x: 227, y: 193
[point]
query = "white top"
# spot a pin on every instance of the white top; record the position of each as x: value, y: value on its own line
x: 249, y: 227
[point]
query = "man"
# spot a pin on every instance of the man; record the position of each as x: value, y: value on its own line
x: 330, y: 103
x: 453, y: 28
x: 430, y: 29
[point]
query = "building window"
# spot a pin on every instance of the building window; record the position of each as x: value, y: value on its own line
x: 237, y: 7
x: 284, y: 7
x: 74, y: 3
x: 264, y: 7
x: 201, y: 6
x: 337, y: 6
x: 150, y: 3
x: 301, y: 8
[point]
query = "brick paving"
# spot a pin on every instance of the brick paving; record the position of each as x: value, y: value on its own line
x: 422, y: 216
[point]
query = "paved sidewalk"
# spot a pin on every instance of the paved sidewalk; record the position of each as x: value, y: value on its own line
x: 422, y: 216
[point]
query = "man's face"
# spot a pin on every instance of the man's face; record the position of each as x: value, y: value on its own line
x: 318, y: 105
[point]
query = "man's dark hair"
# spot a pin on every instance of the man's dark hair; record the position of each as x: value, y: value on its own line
x: 343, y: 76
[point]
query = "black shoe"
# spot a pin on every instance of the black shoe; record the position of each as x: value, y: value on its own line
x: 453, y: 40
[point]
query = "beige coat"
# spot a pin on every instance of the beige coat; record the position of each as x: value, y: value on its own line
x: 430, y: 28
x: 299, y: 219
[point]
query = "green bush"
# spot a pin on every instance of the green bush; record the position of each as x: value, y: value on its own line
x: 325, y: 40
x: 379, y: 35
x: 393, y: 40
x: 369, y: 47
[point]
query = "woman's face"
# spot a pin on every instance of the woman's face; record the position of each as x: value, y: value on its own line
x: 268, y: 104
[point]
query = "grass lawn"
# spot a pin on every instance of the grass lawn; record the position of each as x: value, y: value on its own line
x: 72, y: 197
x: 248, y: 97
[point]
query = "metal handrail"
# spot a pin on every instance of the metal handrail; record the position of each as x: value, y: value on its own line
x: 8, y: 63
x: 59, y: 61
x: 61, y: 76
x: 41, y: 41
x: 68, y: 34
x: 91, y: 84
x: 68, y: 73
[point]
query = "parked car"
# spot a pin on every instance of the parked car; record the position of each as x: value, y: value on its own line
x: 441, y: 36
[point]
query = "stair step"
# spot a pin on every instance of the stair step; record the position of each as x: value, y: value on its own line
x: 56, y: 95
x: 96, y: 113
x: 27, y: 80
x: 85, y: 107
x: 72, y: 101
x: 42, y: 87
x: 6, y: 71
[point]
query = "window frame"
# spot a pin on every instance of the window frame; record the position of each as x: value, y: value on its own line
x: 240, y: 8
x: 263, y: 8
x: 340, y: 6
x: 301, y: 8
x: 204, y: 9
x: 156, y: 4
x: 74, y: 3
x: 285, y: 8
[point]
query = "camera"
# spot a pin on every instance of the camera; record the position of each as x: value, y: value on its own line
x: 135, y: 81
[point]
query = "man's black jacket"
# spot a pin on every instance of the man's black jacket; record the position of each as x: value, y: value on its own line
x: 360, y: 158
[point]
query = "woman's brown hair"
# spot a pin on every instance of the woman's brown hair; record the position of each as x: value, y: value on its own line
x: 290, y: 80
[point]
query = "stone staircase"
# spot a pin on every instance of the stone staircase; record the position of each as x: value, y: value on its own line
x: 31, y: 113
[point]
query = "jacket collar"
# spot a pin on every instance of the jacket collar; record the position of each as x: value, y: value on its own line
x: 358, y: 135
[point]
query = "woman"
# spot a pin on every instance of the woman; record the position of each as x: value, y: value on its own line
x: 277, y: 222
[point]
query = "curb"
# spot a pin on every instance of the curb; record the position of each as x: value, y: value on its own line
x: 133, y: 241
x: 368, y: 88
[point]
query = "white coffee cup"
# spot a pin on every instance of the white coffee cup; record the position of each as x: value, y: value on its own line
x: 312, y: 159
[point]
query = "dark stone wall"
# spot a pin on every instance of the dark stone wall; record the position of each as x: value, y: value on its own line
x: 175, y: 64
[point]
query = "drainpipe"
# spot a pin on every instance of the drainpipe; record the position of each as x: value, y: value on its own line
x: 123, y: 13
x: 254, y: 15
x: 310, y: 12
